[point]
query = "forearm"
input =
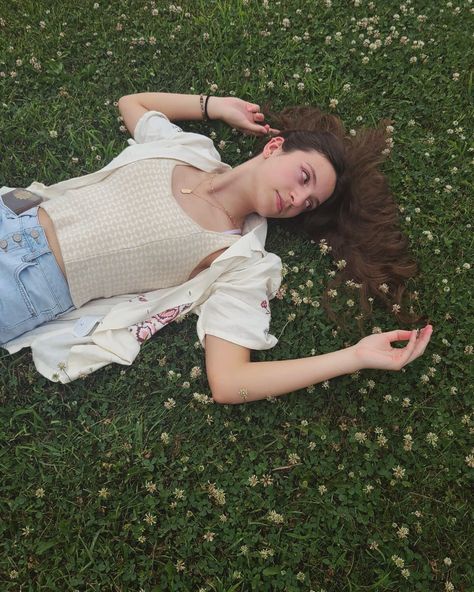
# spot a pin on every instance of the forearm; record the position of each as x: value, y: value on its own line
x: 177, y: 106
x: 257, y: 380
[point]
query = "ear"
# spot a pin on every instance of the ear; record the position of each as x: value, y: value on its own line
x: 272, y: 145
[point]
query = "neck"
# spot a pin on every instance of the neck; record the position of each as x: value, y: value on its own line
x: 234, y: 189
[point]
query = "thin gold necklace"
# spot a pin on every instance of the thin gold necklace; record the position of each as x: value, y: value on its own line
x: 187, y: 191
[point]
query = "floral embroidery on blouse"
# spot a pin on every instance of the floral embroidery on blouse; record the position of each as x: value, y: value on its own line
x: 264, y: 304
x: 146, y: 329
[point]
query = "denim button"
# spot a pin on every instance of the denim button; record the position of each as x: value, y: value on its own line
x: 3, y: 244
x: 34, y: 234
x: 17, y: 238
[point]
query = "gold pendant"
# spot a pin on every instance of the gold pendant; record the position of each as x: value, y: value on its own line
x: 186, y: 191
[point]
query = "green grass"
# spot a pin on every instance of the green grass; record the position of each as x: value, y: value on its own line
x: 105, y: 486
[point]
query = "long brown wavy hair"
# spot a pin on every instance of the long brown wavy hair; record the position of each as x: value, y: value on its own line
x: 360, y: 220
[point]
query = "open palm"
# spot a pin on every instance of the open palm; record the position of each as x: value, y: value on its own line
x: 376, y: 351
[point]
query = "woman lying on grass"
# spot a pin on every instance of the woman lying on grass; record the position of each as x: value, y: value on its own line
x: 166, y: 228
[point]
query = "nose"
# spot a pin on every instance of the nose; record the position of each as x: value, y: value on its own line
x: 298, y: 197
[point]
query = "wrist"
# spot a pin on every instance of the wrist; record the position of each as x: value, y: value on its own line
x: 214, y: 105
x: 354, y: 362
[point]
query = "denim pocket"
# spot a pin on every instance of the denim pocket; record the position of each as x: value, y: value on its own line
x: 35, y: 286
x: 16, y: 306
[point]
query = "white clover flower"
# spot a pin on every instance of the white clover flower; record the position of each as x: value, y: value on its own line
x: 407, y: 442
x: 470, y: 460
x: 432, y: 439
x: 398, y: 472
x: 403, y: 532
x: 399, y: 562
x: 274, y: 517
x: 293, y: 458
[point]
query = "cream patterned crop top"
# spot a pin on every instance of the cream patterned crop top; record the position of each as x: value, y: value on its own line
x: 127, y: 233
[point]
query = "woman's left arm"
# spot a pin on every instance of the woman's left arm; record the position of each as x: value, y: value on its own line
x: 234, y: 379
x: 237, y: 113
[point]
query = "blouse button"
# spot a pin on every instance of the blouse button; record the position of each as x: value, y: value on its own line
x: 3, y: 244
x: 17, y: 238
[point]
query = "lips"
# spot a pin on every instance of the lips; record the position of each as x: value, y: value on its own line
x: 279, y: 203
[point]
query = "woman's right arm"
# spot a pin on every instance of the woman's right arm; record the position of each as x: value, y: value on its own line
x: 234, y: 379
x: 178, y: 107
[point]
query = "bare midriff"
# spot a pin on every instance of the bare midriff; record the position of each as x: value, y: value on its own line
x: 48, y: 227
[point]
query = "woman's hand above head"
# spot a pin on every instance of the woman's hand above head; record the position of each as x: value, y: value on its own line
x: 242, y: 115
x: 377, y: 352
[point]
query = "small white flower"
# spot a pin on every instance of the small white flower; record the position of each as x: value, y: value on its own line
x: 447, y: 561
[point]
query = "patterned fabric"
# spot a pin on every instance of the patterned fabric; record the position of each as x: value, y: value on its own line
x: 127, y: 233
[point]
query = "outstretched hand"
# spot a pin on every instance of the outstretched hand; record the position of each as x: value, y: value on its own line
x: 242, y: 115
x: 377, y: 352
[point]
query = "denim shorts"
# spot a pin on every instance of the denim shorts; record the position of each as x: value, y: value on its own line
x: 33, y: 289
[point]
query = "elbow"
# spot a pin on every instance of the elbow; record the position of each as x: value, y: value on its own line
x: 121, y: 101
x: 222, y: 393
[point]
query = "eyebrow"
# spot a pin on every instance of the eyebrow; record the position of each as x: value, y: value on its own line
x: 314, y: 174
x: 318, y: 203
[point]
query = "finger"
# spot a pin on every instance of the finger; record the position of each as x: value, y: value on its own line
x: 254, y: 130
x: 259, y: 129
x: 252, y: 107
x: 421, y: 344
x: 397, y: 335
x: 409, y: 347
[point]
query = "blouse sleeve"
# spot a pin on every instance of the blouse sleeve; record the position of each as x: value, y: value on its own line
x: 153, y: 126
x: 237, y: 308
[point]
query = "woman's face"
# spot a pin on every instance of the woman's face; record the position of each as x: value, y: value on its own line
x: 294, y: 182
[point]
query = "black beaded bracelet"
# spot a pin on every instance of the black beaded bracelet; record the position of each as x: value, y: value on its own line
x: 205, y: 109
